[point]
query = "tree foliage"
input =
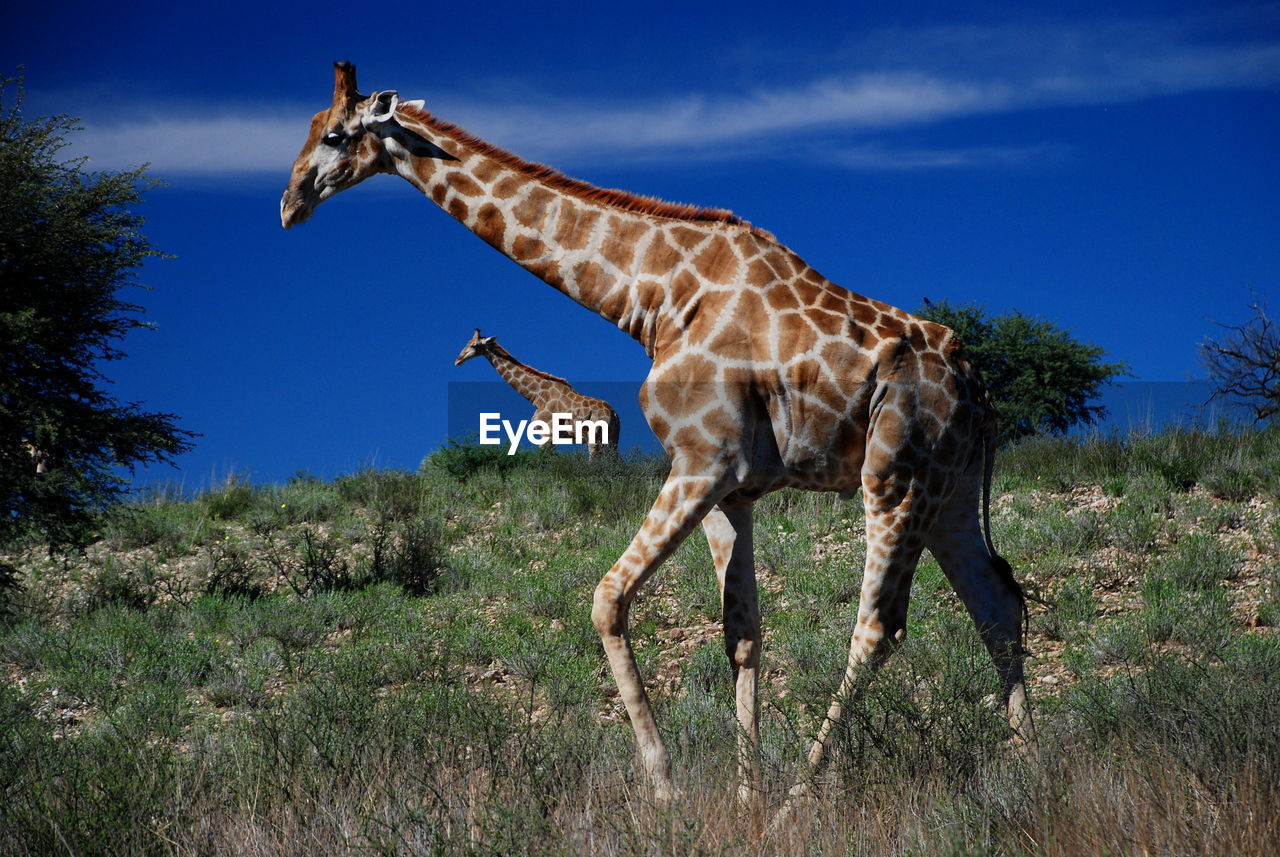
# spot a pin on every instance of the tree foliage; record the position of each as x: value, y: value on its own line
x: 69, y: 243
x: 1244, y: 365
x: 1042, y: 379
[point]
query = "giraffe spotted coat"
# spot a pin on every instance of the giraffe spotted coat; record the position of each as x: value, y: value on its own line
x: 765, y: 375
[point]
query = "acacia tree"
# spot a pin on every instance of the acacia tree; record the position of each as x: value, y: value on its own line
x: 1043, y: 379
x: 1245, y: 364
x: 69, y: 243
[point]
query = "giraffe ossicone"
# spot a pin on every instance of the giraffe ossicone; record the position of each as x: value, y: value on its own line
x: 765, y: 376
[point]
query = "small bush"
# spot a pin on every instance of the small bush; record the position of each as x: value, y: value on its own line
x: 307, y: 500
x: 1074, y: 610
x: 309, y: 560
x: 1118, y: 643
x: 236, y: 497
x: 1178, y: 471
x: 1199, y: 617
x: 225, y: 569
x: 412, y: 554
x: 1140, y: 521
x: 164, y: 526
x: 1198, y: 562
x: 10, y: 590
x: 1231, y: 483
x: 1060, y: 463
x: 112, y: 583
x: 1208, y: 712
x: 391, y: 495
x: 462, y: 459
x: 925, y: 713
x: 1269, y: 607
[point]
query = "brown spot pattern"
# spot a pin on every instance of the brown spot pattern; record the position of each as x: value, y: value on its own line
x: 465, y: 185
x: 660, y: 258
x: 575, y: 226
x: 717, y: 263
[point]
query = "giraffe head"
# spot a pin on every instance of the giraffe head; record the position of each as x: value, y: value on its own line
x: 477, y: 346
x: 356, y: 137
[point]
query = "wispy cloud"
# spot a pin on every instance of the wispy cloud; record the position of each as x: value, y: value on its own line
x: 880, y: 157
x: 889, y: 81
x: 195, y: 145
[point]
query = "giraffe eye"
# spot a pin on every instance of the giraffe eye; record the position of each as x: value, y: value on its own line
x: 333, y: 138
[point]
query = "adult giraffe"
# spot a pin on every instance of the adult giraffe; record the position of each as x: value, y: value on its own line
x: 548, y: 394
x: 765, y: 376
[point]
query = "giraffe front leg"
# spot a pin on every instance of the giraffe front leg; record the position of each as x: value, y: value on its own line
x: 682, y: 503
x: 729, y: 530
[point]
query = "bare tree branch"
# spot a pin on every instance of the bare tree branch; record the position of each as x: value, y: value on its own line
x: 1245, y: 364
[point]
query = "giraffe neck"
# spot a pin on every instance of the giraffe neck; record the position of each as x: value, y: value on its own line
x: 535, y: 386
x: 608, y: 250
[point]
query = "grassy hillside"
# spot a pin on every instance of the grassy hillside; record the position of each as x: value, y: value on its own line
x: 404, y: 663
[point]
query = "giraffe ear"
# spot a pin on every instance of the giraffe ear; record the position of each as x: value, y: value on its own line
x: 382, y: 107
x: 378, y: 115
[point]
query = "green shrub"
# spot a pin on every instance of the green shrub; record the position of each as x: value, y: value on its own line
x: 165, y: 525
x: 393, y: 495
x: 463, y: 459
x: 1199, y: 617
x: 1171, y: 463
x: 1059, y: 463
x: 1269, y: 605
x: 1199, y: 561
x: 224, y: 568
x: 1230, y: 482
x: 110, y: 582
x: 926, y: 712
x: 10, y: 593
x: 1210, y: 713
x: 1140, y: 521
x: 236, y: 497
x: 1074, y: 609
x: 419, y: 557
x: 309, y: 560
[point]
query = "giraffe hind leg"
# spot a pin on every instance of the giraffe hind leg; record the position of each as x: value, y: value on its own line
x: 894, y: 544
x: 993, y: 598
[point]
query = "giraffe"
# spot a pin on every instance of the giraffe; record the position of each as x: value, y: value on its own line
x: 765, y: 375
x: 548, y: 394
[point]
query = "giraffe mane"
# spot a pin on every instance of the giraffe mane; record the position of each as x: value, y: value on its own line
x: 575, y: 187
x: 502, y: 352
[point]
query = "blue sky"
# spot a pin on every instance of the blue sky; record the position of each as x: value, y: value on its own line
x: 1110, y: 166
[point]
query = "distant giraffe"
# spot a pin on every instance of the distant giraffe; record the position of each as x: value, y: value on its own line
x: 765, y: 375
x: 548, y: 394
